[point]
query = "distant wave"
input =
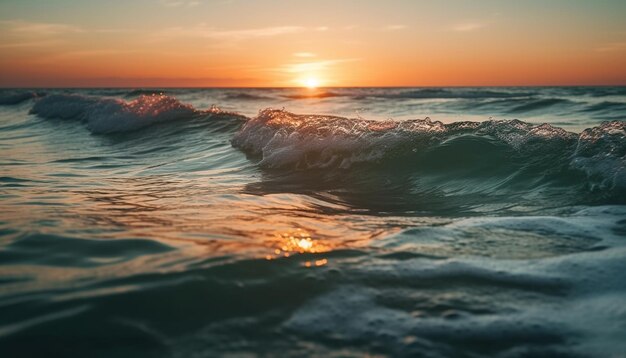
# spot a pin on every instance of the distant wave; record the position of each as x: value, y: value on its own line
x: 309, y: 95
x: 606, y: 105
x: 12, y: 97
x: 244, y: 96
x: 538, y: 104
x: 141, y: 92
x: 110, y: 115
x: 599, y: 91
x: 286, y: 140
x: 420, y: 93
x: 461, y: 93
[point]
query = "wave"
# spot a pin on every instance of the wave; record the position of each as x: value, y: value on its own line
x: 596, y: 91
x: 141, y: 92
x: 308, y: 95
x: 111, y: 115
x: 474, y: 287
x: 538, y: 104
x: 514, y: 106
x: 606, y: 110
x: 460, y: 93
x: 601, y: 153
x: 606, y: 105
x: 243, y: 96
x: 513, y: 151
x: 280, y: 139
x: 11, y: 97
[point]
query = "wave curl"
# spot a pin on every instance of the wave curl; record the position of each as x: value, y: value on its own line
x: 111, y: 115
x: 281, y: 139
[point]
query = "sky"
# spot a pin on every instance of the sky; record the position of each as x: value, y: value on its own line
x: 270, y: 43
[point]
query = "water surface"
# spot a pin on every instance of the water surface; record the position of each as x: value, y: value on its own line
x: 329, y: 222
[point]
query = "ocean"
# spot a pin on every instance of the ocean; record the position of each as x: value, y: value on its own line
x: 432, y: 222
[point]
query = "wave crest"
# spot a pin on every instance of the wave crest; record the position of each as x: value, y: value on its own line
x: 304, y: 141
x: 8, y: 98
x: 601, y: 153
x: 111, y: 115
x: 286, y: 140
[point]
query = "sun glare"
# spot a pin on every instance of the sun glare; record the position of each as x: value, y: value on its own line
x: 311, y: 82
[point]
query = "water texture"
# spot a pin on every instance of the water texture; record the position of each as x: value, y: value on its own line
x: 431, y: 222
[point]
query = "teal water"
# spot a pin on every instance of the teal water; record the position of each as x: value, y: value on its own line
x: 333, y: 222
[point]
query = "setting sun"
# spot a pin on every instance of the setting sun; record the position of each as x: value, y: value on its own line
x: 310, y: 82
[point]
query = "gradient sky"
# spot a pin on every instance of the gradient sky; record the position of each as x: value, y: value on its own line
x: 190, y: 43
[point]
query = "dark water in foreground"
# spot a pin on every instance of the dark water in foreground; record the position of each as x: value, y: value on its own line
x: 135, y: 223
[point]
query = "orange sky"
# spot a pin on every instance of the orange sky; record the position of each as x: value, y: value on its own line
x: 194, y: 43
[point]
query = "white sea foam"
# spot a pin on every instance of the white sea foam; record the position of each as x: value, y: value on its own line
x: 108, y: 115
x: 286, y: 140
x: 497, y: 305
x: 601, y: 152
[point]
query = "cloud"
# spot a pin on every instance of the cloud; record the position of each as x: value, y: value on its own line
x: 204, y: 31
x: 154, y: 82
x: 39, y: 28
x: 321, y: 28
x: 304, y: 54
x: 29, y: 34
x: 612, y: 47
x: 317, y: 66
x: 468, y: 26
x: 78, y: 55
x: 31, y: 44
x: 395, y: 27
x: 180, y: 3
x: 112, y: 31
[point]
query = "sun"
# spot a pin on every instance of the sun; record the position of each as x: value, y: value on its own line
x: 311, y: 82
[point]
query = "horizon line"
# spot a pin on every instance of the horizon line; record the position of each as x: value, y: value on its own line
x: 310, y: 89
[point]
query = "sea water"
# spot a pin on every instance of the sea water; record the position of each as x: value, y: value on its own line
x: 313, y: 222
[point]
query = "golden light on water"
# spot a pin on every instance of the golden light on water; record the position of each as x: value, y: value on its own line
x: 298, y: 241
x: 305, y: 244
x: 316, y: 263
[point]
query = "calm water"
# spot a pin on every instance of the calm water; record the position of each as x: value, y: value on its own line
x: 334, y: 222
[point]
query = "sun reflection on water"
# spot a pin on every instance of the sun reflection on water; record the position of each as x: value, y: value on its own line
x: 298, y: 241
x: 321, y: 262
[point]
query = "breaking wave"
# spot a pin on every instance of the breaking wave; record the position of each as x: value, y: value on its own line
x: 8, y: 98
x: 111, y: 115
x: 285, y: 140
x: 512, y: 150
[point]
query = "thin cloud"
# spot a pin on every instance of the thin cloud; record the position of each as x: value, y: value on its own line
x: 395, y: 27
x: 79, y: 55
x: 32, y: 44
x: 314, y: 66
x: 468, y: 26
x: 612, y: 47
x: 204, y: 31
x: 39, y: 28
x: 92, y: 53
x: 112, y: 31
x: 180, y: 3
x: 304, y: 54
